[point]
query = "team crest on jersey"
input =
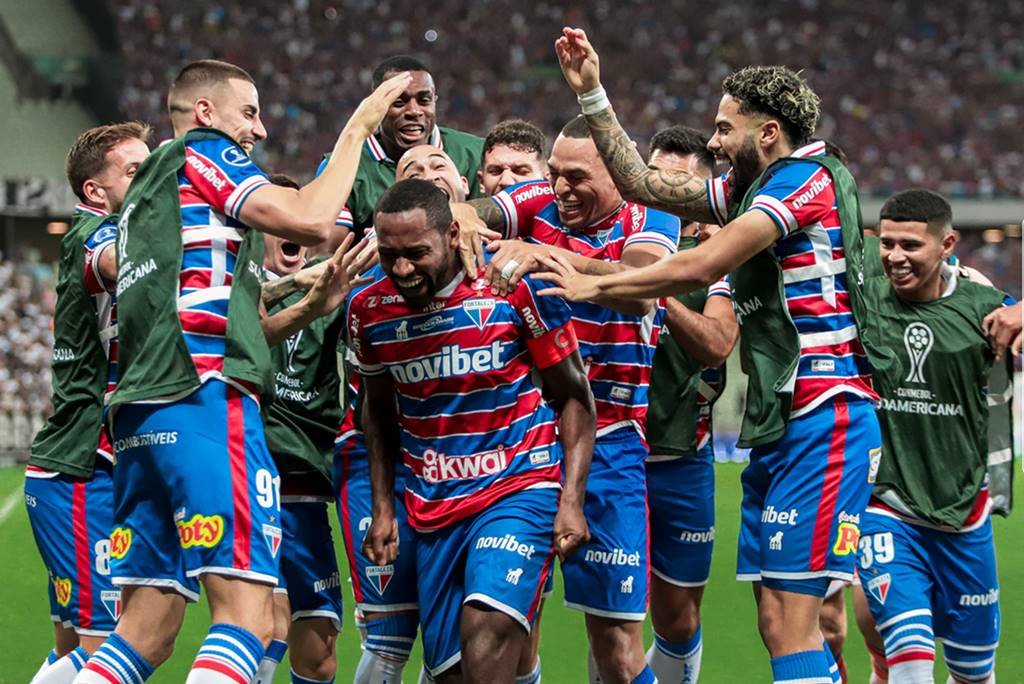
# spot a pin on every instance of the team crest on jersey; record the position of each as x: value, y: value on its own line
x: 380, y: 576
x: 62, y: 590
x: 479, y: 310
x: 879, y: 587
x: 120, y: 542
x: 918, y: 339
x: 112, y: 602
x: 272, y: 535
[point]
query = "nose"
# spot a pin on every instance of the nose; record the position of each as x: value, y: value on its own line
x: 403, y: 268
x: 413, y: 109
x: 561, y: 186
x: 507, y: 179
x: 258, y: 130
x: 714, y: 144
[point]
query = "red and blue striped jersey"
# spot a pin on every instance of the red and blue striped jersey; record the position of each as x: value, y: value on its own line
x: 103, y: 292
x: 474, y: 425
x: 617, y: 348
x: 801, y: 200
x: 213, y: 185
x: 712, y: 380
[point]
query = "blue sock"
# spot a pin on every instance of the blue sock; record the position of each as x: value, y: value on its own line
x: 645, y: 677
x: 229, y: 647
x: 79, y: 657
x: 52, y: 657
x: 799, y: 666
x: 276, y: 650
x: 833, y: 668
x: 117, y: 661
x: 296, y: 679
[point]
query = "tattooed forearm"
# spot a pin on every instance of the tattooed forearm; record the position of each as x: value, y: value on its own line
x: 276, y: 290
x: 489, y: 213
x: 677, y: 192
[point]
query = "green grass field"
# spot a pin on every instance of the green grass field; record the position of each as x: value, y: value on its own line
x: 732, y: 648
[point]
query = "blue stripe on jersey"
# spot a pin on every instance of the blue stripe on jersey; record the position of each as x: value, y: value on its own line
x: 799, y: 242
x: 214, y: 306
x: 606, y: 390
x: 826, y: 323
x: 825, y: 364
x: 621, y: 353
x: 812, y: 286
x: 448, y: 403
x: 204, y: 344
x: 473, y: 443
x: 202, y: 257
x: 195, y: 215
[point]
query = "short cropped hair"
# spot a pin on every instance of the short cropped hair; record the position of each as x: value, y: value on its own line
x: 919, y: 204
x: 200, y: 77
x: 777, y: 92
x: 684, y: 141
x: 518, y: 134
x: 577, y: 128
x: 416, y: 193
x: 397, y: 64
x: 87, y: 157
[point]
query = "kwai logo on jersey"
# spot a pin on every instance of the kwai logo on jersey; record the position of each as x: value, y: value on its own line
x: 112, y: 602
x: 438, y: 467
x: 201, y: 530
x: 918, y: 339
x: 120, y: 542
x: 272, y: 535
x: 62, y: 590
x: 879, y: 587
x: 479, y: 310
x: 451, y: 361
x: 380, y: 576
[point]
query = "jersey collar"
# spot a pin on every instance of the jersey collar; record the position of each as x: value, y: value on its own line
x: 814, y: 149
x: 82, y: 208
x: 604, y: 223
x: 448, y: 289
x: 378, y: 154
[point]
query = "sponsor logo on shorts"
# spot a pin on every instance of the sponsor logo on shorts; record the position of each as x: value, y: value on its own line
x: 848, y: 534
x: 773, y: 517
x: 507, y: 543
x: 513, y: 575
x: 272, y: 535
x: 775, y: 541
x: 332, y: 582
x: 120, y: 542
x: 989, y: 598
x: 201, y: 530
x: 879, y: 587
x: 62, y: 590
x: 698, y: 537
x: 626, y: 585
x: 146, y: 439
x: 380, y: 576
x: 613, y: 557
x: 112, y: 602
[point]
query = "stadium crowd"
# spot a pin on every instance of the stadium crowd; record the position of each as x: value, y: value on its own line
x: 939, y: 99
x: 27, y: 298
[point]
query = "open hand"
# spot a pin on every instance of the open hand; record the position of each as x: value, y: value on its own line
x: 566, y: 281
x: 511, y: 260
x: 339, y: 275
x: 372, y: 109
x: 579, y: 61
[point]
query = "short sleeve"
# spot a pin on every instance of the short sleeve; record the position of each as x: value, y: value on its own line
x: 222, y: 174
x: 94, y: 245
x: 546, y: 324
x: 721, y: 288
x: 652, y: 227
x: 718, y: 198
x: 366, y: 361
x: 520, y: 203
x: 797, y: 196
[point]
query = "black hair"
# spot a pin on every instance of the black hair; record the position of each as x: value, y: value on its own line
x: 684, y: 141
x: 416, y: 193
x: 577, y: 128
x: 918, y: 204
x: 396, y: 64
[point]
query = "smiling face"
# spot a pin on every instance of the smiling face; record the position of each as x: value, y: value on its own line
x: 108, y: 188
x: 417, y: 257
x: 504, y: 166
x: 584, y: 190
x: 235, y: 110
x: 735, y: 143
x: 432, y: 164
x: 282, y: 257
x: 411, y: 117
x: 913, y: 253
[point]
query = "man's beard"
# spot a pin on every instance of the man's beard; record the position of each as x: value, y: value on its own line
x: 746, y: 167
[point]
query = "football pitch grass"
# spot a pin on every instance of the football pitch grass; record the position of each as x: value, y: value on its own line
x: 732, y: 648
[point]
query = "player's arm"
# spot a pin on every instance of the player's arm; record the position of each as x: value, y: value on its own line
x: 708, y: 336
x: 1003, y: 327
x: 379, y: 417
x: 682, y: 272
x: 106, y: 264
x: 677, y: 192
x: 307, y: 215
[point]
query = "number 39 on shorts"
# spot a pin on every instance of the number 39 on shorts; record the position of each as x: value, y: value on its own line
x: 877, y: 547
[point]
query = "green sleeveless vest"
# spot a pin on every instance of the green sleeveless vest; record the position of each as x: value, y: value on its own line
x: 769, y: 342
x: 153, y: 360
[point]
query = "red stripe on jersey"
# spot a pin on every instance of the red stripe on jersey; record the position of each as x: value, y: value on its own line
x: 807, y: 259
x: 536, y: 437
x: 841, y: 349
x: 830, y: 486
x: 83, y: 562
x: 810, y: 388
x: 211, y: 184
x: 228, y: 244
x: 241, y: 551
x: 199, y: 278
x: 431, y: 515
x: 816, y: 305
x: 202, y: 323
x: 553, y: 347
x: 424, y: 427
x: 621, y: 332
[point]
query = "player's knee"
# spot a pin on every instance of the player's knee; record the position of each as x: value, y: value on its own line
x: 969, y: 667
x: 834, y: 632
x: 318, y: 666
x: 680, y: 627
x: 488, y: 634
x: 613, y: 649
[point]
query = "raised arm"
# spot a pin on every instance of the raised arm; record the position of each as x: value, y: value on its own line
x: 677, y: 192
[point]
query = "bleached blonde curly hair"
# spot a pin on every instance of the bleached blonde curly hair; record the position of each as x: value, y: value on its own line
x: 777, y: 92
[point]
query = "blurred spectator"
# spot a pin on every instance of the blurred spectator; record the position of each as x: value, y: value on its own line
x: 919, y: 94
x: 1000, y: 261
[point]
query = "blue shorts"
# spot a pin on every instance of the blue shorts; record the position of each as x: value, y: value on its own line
x: 803, y: 497
x: 196, y: 491
x: 946, y: 578
x: 500, y: 558
x: 608, y: 576
x: 681, y: 498
x: 71, y: 519
x: 377, y: 588
x: 309, y: 569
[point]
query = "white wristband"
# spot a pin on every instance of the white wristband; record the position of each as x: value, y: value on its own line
x: 594, y: 101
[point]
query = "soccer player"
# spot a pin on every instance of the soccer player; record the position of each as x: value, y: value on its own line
x: 431, y: 163
x: 688, y: 376
x: 196, y: 491
x: 927, y: 558
x: 792, y: 245
x: 451, y: 363
x: 579, y: 215
x: 513, y: 152
x: 68, y: 482
x: 411, y: 120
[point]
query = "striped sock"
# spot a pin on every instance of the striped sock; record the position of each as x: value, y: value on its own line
x: 806, y: 667
x: 676, y: 663
x: 229, y: 655
x: 533, y: 677
x: 299, y: 679
x: 63, y: 671
x: 271, y: 659
x: 116, y: 662
x: 833, y: 666
x: 51, y: 658
x: 645, y: 677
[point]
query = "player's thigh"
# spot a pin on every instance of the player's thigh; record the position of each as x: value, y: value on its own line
x: 440, y: 574
x: 48, y: 501
x: 966, y: 610
x: 309, y: 568
x: 894, y: 571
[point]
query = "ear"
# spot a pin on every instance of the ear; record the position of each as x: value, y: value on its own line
x: 949, y: 241
x: 465, y: 184
x: 202, y: 110
x: 480, y: 182
x: 770, y: 134
x: 95, y: 193
x: 453, y: 235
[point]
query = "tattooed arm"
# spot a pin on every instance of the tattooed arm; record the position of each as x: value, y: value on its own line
x: 677, y: 192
